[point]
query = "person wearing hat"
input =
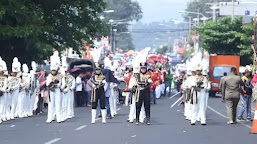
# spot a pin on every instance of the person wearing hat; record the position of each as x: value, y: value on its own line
x: 143, y: 86
x: 203, y: 96
x: 186, y: 94
x: 3, y: 94
x: 24, y: 92
x: 70, y: 83
x: 54, y: 82
x: 14, y: 84
x: 98, y: 93
x: 34, y: 89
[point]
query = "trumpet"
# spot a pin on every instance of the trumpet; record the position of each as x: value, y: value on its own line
x: 54, y: 83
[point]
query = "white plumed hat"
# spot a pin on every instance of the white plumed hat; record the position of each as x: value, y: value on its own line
x: 55, y: 61
x: 25, y: 68
x: 16, y: 65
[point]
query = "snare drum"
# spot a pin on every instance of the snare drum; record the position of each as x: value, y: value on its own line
x: 122, y: 85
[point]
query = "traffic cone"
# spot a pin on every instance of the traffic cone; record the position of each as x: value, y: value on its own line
x: 254, y: 127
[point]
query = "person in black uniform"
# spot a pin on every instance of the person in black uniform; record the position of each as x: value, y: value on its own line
x: 98, y: 93
x: 143, y: 93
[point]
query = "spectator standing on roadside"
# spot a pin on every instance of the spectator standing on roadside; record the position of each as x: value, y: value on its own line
x: 245, y: 96
x: 231, y: 95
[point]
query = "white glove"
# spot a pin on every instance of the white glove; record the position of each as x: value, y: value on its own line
x: 104, y: 81
x: 149, y: 81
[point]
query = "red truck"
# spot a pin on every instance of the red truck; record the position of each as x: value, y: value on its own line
x: 219, y: 64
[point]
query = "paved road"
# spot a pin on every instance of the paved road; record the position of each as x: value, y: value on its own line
x: 167, y: 126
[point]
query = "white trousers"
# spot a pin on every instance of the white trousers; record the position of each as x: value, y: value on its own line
x: 32, y: 102
x: 162, y: 88
x: 70, y: 104
x: 2, y: 106
x: 127, y: 99
x: 132, y: 109
x: 158, y: 91
x: 14, y: 100
x: 203, y: 103
x: 7, y: 106
x: 187, y: 110
x: 113, y: 102
x: 54, y: 106
x: 21, y: 104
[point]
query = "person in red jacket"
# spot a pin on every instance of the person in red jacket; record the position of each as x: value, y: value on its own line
x: 153, y: 85
x: 127, y: 90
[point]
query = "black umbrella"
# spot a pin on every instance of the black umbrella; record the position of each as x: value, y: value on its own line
x: 84, y: 64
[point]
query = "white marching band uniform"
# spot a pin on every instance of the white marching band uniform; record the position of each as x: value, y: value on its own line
x: 13, y: 87
x: 19, y: 92
x: 113, y: 99
x: 196, y: 88
x: 3, y: 95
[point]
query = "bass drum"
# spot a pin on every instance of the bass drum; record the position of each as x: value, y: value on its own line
x: 122, y: 85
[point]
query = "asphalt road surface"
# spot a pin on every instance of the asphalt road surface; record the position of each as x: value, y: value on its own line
x: 167, y: 126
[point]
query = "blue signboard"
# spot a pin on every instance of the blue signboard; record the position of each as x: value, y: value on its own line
x: 247, y: 12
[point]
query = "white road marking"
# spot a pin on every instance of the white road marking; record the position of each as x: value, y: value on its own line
x: 53, y: 141
x: 97, y: 119
x: 175, y: 102
x: 12, y: 126
x: 227, y: 117
x: 81, y: 127
x: 118, y: 109
x: 134, y: 136
x: 174, y: 95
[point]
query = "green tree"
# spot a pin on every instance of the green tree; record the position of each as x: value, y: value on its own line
x: 162, y: 50
x: 31, y: 29
x: 227, y: 36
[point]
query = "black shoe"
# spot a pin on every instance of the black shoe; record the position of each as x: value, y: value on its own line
x: 137, y: 122
x: 148, y: 122
x: 192, y: 123
x: 203, y: 124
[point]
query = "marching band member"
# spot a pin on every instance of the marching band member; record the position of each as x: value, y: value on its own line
x: 34, y: 89
x: 3, y: 94
x: 132, y: 85
x: 192, y: 93
x: 158, y: 84
x: 203, y: 97
x: 127, y: 90
x: 53, y: 82
x: 198, y: 99
x: 14, y: 85
x: 98, y: 93
x: 113, y: 97
x: 68, y: 91
x: 143, y: 95
x: 186, y: 94
x: 24, y: 92
x: 7, y: 111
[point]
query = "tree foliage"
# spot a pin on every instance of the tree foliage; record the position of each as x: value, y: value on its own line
x: 162, y: 50
x: 127, y: 10
x: 227, y: 36
x: 31, y: 29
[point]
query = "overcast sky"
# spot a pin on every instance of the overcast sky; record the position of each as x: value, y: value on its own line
x: 159, y: 10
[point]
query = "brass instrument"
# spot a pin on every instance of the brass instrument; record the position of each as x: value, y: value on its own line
x: 68, y: 83
x: 14, y: 82
x: 55, y: 81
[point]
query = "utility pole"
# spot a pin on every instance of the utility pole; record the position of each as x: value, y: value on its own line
x: 198, y: 17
